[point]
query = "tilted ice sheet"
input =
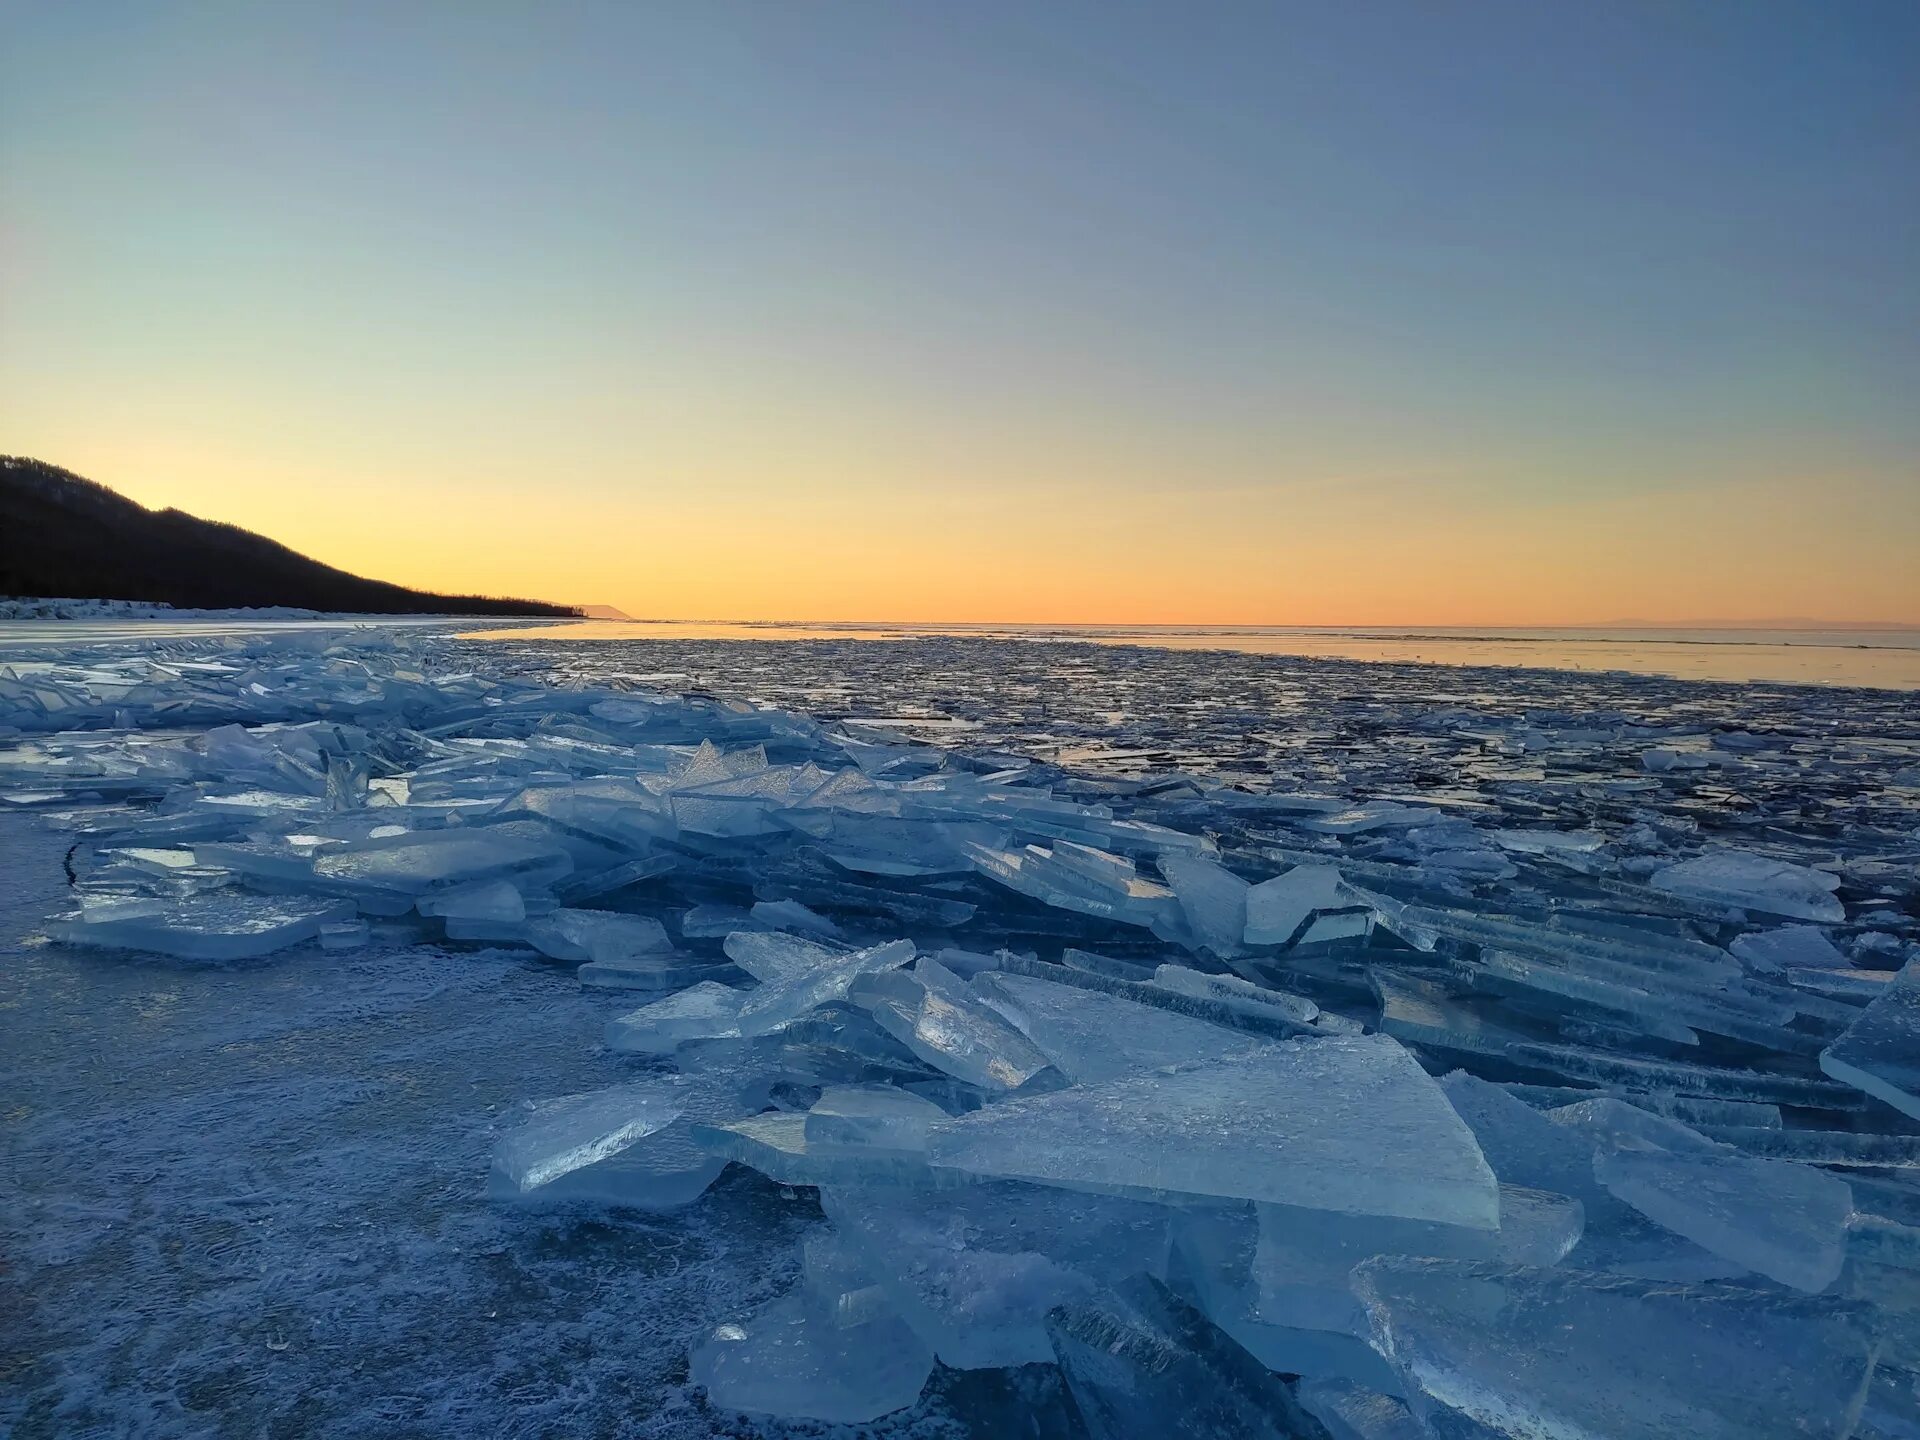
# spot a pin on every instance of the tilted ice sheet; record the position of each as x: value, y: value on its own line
x: 1352, y: 1125
x: 1529, y: 1352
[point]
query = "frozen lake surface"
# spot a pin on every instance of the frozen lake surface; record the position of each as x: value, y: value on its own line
x: 253, y: 1197
x: 1886, y: 659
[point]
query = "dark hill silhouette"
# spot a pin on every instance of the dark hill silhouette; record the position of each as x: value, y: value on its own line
x: 61, y: 535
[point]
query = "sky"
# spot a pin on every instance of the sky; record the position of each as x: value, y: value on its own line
x: 1268, y: 313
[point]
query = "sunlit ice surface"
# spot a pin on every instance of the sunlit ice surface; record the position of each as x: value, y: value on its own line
x: 1886, y: 659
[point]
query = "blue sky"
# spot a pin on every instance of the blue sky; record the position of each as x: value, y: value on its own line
x: 1484, y: 297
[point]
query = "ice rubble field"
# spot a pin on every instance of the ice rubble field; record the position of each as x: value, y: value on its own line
x: 1182, y: 1044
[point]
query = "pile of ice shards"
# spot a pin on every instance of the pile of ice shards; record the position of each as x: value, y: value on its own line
x: 1258, y: 1114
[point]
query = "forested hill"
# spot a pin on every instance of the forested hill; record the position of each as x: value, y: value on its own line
x: 61, y: 535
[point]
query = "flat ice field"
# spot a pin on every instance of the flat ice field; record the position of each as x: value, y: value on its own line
x: 946, y: 1037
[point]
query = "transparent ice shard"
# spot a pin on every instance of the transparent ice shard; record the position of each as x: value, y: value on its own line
x: 1528, y: 1353
x: 1880, y: 1051
x: 939, y: 1018
x: 704, y: 1011
x: 344, y: 935
x: 1754, y: 882
x: 1607, y: 1123
x: 797, y: 1358
x: 1351, y: 1412
x: 216, y: 925
x: 1786, y: 1221
x: 653, y: 973
x: 792, y: 915
x: 1706, y: 1081
x: 975, y: 1269
x: 780, y: 1146
x: 1306, y: 904
x: 492, y: 900
x: 1091, y: 1036
x: 1212, y: 1260
x: 1419, y: 1011
x: 768, y: 955
x: 1348, y: 1124
x: 600, y: 937
x: 1522, y: 1145
x: 1143, y: 1363
x: 1212, y: 897
x: 1821, y: 1147
x: 792, y: 994
x: 1304, y: 1257
x: 1549, y: 842
x: 413, y: 864
x: 1056, y: 877
x: 1789, y: 947
x: 1232, y: 990
x: 880, y: 1115
x: 558, y: 1136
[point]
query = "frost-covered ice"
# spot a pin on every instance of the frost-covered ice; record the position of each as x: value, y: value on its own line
x: 1540, y: 1064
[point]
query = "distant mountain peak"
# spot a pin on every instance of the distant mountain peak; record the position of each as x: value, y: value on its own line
x: 64, y: 535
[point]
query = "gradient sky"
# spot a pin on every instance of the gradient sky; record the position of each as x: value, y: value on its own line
x: 1326, y: 313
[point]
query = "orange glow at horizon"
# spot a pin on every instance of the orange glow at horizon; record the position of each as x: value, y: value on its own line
x: 967, y: 549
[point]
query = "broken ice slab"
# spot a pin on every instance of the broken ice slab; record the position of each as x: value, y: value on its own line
x: 1373, y: 815
x: 1789, y: 947
x: 1213, y: 899
x: 1143, y: 1364
x: 1105, y: 965
x: 574, y: 1131
x: 1880, y: 1051
x: 213, y: 925
x: 1351, y: 1412
x: 1051, y: 877
x: 703, y: 1011
x: 1346, y: 1123
x: 797, y: 1359
x: 1548, y: 842
x: 974, y: 1270
x: 1419, y: 1011
x: 1307, y: 905
x: 1232, y: 990
x: 1641, y: 1005
x: 1303, y: 1259
x: 494, y: 901
x: 1610, y: 1124
x: 1739, y: 880
x: 879, y: 1115
x: 1786, y: 1221
x: 941, y: 1020
x: 345, y: 935
x: 1688, y: 1109
x: 780, y: 1146
x: 598, y: 937
x: 1091, y: 1036
x: 790, y: 995
x: 1528, y: 1352
x: 792, y: 915
x: 666, y: 1168
x: 656, y: 973
x: 1708, y: 1081
x: 1212, y: 1260
x: 1821, y: 1147
x: 416, y: 862
x: 768, y: 955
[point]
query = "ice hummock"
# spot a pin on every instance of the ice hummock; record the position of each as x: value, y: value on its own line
x: 1035, y: 1032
